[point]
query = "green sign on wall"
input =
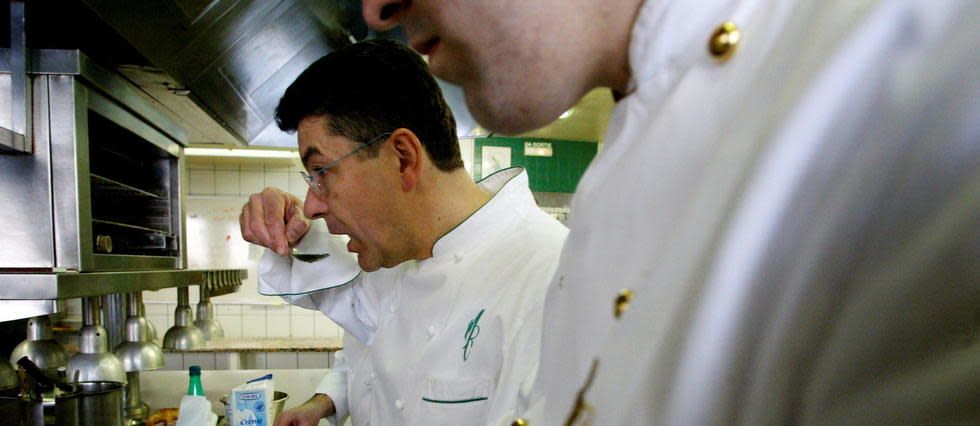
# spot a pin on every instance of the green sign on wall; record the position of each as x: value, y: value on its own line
x: 558, y: 173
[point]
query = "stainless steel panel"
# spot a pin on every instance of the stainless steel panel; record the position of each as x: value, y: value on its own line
x: 12, y: 142
x: 71, y: 285
x: 71, y: 103
x: 46, y: 61
x: 124, y: 93
x: 19, y: 309
x: 179, y: 216
x: 115, y: 262
x: 26, y: 234
x: 52, y: 61
x: 114, y: 318
x: 235, y: 56
x: 5, y: 122
x: 69, y: 152
x: 114, y: 112
x: 18, y: 136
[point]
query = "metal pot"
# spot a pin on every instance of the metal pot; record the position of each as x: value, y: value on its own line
x: 62, y: 411
x: 100, y: 404
x: 66, y: 409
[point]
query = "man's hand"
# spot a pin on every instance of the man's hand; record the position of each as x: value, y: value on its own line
x: 273, y: 218
x: 308, y: 414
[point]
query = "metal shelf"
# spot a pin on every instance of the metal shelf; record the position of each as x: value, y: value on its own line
x: 71, y: 285
x: 128, y: 226
x: 123, y: 186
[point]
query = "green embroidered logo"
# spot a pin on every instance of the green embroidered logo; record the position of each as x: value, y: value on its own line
x: 472, y: 331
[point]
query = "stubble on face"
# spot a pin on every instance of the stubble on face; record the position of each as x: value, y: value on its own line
x: 506, y: 54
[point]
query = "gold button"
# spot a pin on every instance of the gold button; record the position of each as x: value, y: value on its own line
x: 622, y: 301
x: 520, y: 422
x: 724, y: 41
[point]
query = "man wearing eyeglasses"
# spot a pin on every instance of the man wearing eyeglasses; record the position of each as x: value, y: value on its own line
x: 442, y: 306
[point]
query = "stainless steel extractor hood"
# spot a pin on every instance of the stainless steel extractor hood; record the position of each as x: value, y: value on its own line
x: 232, y: 58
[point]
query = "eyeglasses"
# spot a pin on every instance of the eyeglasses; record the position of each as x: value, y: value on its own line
x: 313, y: 179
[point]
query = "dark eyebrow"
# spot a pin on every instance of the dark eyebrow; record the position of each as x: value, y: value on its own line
x: 309, y: 152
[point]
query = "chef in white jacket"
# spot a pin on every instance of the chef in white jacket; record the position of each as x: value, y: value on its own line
x: 442, y: 303
x: 783, y: 225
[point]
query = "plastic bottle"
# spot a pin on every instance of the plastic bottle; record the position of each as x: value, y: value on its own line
x: 195, y: 387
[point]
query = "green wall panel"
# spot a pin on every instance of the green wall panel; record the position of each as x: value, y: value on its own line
x: 558, y: 173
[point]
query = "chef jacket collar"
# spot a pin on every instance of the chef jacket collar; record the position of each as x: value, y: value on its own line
x: 669, y: 37
x: 509, y: 190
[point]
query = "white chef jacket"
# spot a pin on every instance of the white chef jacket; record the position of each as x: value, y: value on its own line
x: 792, y: 236
x: 448, y: 339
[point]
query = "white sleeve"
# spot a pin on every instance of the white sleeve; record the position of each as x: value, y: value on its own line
x: 334, y: 385
x: 282, y: 276
x: 347, y: 303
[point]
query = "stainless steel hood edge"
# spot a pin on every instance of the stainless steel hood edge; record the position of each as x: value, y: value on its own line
x: 235, y: 57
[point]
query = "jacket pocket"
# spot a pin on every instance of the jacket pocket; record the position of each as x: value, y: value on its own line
x: 456, y: 401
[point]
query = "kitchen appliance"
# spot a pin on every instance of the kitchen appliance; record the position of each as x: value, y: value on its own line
x: 205, y: 317
x: 101, y: 404
x: 8, y: 377
x: 41, y: 348
x: 137, y: 353
x: 151, y: 329
x: 184, y: 334
x: 44, y: 401
x: 90, y: 183
x: 95, y: 207
x: 94, y: 362
x: 101, y: 190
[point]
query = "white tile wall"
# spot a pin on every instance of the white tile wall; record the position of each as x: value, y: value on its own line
x: 228, y: 361
x: 277, y: 321
x: 253, y: 327
x: 202, y: 181
x: 277, y: 180
x: 251, y: 181
x: 313, y: 359
x: 276, y: 360
x: 203, y: 359
x: 224, y: 177
x: 255, y: 360
x: 231, y: 325
x: 227, y: 182
x: 173, y: 361
x: 253, y: 320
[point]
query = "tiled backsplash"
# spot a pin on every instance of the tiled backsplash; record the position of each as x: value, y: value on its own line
x: 243, y: 177
x: 251, y: 320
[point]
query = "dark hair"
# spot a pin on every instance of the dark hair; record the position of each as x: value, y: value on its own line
x: 370, y: 88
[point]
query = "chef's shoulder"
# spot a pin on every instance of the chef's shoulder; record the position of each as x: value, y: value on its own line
x: 539, y: 231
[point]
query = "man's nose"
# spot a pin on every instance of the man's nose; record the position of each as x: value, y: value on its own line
x: 314, y: 207
x: 383, y: 14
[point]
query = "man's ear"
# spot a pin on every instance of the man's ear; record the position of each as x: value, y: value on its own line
x: 410, y: 154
